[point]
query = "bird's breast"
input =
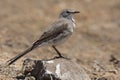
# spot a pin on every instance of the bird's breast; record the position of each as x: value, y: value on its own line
x: 72, y: 26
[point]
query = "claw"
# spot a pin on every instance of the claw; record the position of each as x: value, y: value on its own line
x: 56, y: 57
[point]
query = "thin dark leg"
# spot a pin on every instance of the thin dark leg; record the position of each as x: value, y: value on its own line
x: 59, y: 54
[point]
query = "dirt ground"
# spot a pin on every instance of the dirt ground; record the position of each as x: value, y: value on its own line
x: 95, y: 39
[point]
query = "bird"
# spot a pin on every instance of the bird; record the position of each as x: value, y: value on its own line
x: 57, y: 33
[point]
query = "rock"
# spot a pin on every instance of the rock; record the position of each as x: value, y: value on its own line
x: 55, y: 69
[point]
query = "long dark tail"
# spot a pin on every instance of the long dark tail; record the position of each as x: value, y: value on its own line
x: 9, y: 62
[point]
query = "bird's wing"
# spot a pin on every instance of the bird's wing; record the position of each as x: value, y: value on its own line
x: 56, y: 28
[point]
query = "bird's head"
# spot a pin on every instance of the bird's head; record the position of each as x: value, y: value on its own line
x: 68, y: 13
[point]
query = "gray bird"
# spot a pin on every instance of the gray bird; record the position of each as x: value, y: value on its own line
x: 58, y: 32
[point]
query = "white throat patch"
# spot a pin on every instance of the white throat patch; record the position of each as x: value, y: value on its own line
x: 73, y: 22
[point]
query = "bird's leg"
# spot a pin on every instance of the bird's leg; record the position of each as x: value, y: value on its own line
x: 59, y: 54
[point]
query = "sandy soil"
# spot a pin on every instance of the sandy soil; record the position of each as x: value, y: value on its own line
x: 96, y: 37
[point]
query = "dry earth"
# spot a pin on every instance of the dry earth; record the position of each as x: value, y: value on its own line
x: 96, y: 37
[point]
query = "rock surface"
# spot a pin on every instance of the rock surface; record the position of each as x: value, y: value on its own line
x: 56, y: 69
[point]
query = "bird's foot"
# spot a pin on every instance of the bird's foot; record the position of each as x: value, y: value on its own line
x: 60, y: 56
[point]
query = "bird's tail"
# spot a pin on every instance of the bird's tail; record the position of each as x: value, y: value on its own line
x: 9, y: 62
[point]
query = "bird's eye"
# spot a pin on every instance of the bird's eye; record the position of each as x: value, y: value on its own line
x: 67, y: 12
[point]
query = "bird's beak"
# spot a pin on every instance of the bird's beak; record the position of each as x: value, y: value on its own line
x: 76, y: 12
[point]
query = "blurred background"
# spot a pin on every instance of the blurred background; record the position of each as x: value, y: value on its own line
x: 96, y: 37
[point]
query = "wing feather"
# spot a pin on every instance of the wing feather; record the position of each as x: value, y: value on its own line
x: 57, y: 28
